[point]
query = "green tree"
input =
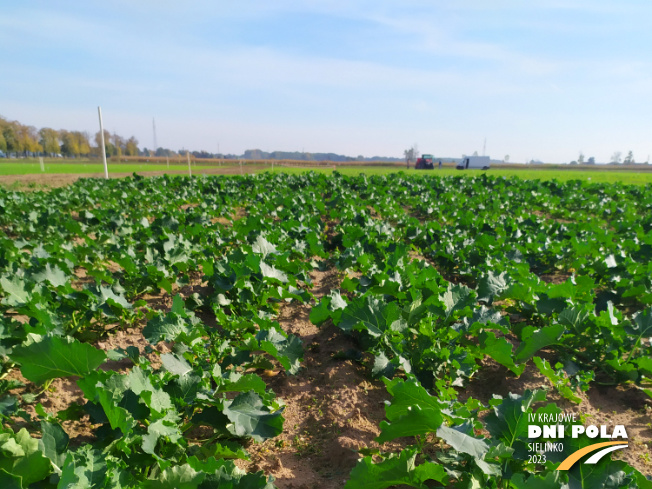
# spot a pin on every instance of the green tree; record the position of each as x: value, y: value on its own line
x: 74, y: 143
x: 27, y: 138
x: 629, y: 159
x: 49, y: 140
x: 69, y: 143
x: 119, y: 145
x: 109, y: 148
x: 131, y: 147
x: 11, y: 140
x: 83, y: 142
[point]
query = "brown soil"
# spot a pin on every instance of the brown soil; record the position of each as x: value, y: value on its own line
x: 332, y: 407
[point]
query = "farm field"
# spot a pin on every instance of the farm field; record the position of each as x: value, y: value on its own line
x: 31, y: 167
x: 323, y: 330
x: 11, y: 171
x: 564, y: 174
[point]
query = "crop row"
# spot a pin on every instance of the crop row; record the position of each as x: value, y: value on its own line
x: 451, y: 272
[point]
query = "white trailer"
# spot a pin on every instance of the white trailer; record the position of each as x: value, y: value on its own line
x: 474, y: 162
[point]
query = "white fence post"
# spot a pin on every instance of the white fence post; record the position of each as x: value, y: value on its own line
x: 103, y: 149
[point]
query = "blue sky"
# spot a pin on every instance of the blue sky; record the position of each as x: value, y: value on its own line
x: 539, y: 79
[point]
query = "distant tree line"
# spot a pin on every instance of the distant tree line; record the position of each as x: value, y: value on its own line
x: 257, y: 154
x: 24, y: 140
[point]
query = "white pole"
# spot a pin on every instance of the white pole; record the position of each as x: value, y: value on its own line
x: 40, y: 160
x: 189, y: 170
x: 167, y: 160
x: 103, y: 149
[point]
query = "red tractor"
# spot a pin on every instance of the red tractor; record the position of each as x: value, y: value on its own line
x: 424, y: 163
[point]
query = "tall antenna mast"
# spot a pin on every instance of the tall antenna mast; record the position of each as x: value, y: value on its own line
x: 154, y: 130
x: 484, y: 147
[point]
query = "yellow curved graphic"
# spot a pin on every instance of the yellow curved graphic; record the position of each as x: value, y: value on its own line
x: 575, y: 456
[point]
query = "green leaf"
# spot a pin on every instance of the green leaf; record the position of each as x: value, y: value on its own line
x: 408, y: 393
x: 158, y: 429
x: 395, y: 471
x: 382, y: 366
x: 250, y: 418
x: 166, y: 328
x: 54, y: 443
x: 551, y: 480
x: 47, y: 357
x: 271, y: 272
x: 491, y: 285
x: 500, y: 350
x: 456, y: 298
x: 369, y: 314
x: 10, y: 481
x: 110, y: 297
x: 20, y: 457
x: 416, y: 421
x: 508, y: 422
x: 15, y: 291
x: 243, y: 383
x: 264, y: 247
x: 606, y: 474
x: 54, y: 275
x: 287, y: 350
x: 462, y: 442
x: 560, y: 382
x: 177, y: 477
x: 536, y: 339
x: 84, y: 469
x: 175, y: 364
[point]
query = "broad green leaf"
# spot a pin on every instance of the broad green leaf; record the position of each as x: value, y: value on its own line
x: 456, y: 298
x: 416, y: 421
x: 156, y: 430
x: 177, y: 477
x: 175, y: 364
x: 54, y: 443
x: 272, y: 272
x: 509, y: 421
x: 500, y: 350
x: 54, y: 275
x: 287, y: 350
x: 369, y: 314
x: 551, y: 480
x: 462, y: 442
x: 250, y: 418
x: 536, y: 339
x: 20, y: 457
x: 47, y: 357
x: 383, y: 366
x: 242, y: 383
x: 491, y: 285
x: 560, y: 383
x: 84, y: 469
x: 396, y: 470
x: 408, y: 393
x: 10, y: 481
x: 264, y: 247
x: 166, y: 328
x: 15, y: 291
